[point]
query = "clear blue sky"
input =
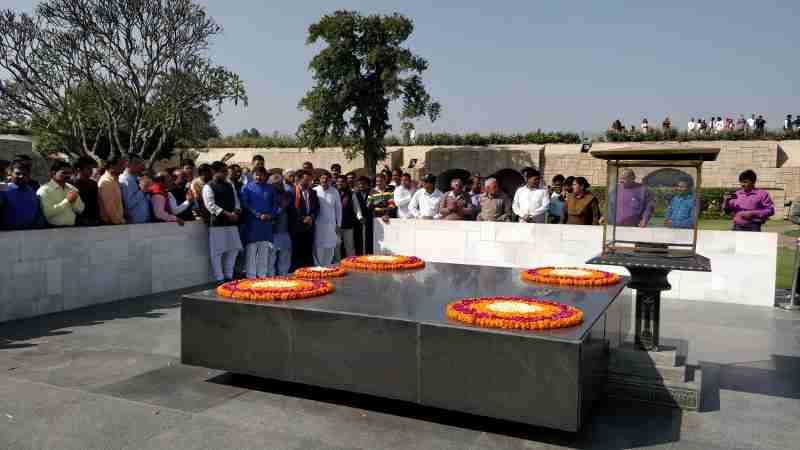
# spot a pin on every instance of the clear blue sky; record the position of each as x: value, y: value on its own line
x: 556, y: 65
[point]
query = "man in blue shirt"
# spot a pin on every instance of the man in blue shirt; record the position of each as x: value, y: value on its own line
x: 137, y: 206
x: 19, y: 206
x: 681, y: 210
x: 260, y: 207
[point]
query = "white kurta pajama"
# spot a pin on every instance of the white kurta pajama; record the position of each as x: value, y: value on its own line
x: 224, y: 242
x: 328, y: 221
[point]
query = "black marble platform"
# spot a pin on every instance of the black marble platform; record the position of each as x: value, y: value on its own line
x: 387, y: 334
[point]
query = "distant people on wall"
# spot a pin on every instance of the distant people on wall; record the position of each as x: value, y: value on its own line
x: 306, y: 211
x: 402, y: 196
x: 88, y: 191
x: 788, y: 124
x: 690, y: 126
x: 645, y: 125
x: 555, y: 210
x: 260, y: 207
x: 617, y: 126
x: 456, y: 204
x: 581, y: 207
x: 751, y: 207
x: 222, y: 202
x: 681, y: 211
x: 797, y: 121
x: 666, y: 124
x: 20, y: 208
x: 631, y: 204
x: 495, y: 205
x: 425, y: 202
x: 61, y: 201
x: 761, y: 124
x: 741, y: 123
x: 531, y: 202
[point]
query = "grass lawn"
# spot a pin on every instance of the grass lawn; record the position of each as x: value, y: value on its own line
x: 785, y: 268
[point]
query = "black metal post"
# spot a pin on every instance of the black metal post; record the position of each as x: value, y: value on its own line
x: 649, y: 283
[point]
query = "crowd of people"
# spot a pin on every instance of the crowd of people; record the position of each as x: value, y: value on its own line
x: 264, y: 222
x: 755, y: 124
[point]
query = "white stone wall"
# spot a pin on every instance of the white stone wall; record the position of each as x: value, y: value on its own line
x: 743, y: 264
x: 47, y: 271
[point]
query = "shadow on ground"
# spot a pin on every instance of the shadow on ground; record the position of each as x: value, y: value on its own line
x: 14, y: 333
x: 614, y: 424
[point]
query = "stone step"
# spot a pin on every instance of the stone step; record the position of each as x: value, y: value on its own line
x: 672, y: 374
x: 686, y: 395
x: 628, y: 353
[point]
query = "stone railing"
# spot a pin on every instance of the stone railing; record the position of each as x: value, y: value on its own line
x: 743, y: 264
x: 47, y: 271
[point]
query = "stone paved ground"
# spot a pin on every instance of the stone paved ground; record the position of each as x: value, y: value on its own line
x: 109, y: 377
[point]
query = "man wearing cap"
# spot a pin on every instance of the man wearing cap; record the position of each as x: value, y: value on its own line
x: 288, y: 181
x: 425, y: 202
x: 531, y: 201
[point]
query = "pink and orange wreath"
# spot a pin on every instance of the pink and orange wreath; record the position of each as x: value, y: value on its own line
x: 570, y: 276
x: 274, y: 288
x: 514, y: 313
x: 383, y: 263
x: 319, y: 272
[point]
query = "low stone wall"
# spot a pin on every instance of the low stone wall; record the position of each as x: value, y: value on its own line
x: 743, y: 264
x: 47, y: 271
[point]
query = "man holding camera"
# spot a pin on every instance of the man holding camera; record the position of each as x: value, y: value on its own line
x: 751, y: 207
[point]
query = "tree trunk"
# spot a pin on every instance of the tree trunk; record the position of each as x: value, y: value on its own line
x: 370, y: 160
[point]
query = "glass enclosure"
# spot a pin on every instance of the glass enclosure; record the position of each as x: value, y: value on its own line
x: 652, y: 207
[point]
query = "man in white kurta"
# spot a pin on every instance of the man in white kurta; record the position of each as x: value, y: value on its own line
x: 531, y: 201
x: 402, y: 197
x: 328, y: 222
x: 222, y: 201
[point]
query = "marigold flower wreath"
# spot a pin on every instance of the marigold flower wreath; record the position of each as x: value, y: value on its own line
x: 383, y: 263
x: 515, y: 313
x: 274, y: 288
x: 319, y: 272
x: 570, y: 276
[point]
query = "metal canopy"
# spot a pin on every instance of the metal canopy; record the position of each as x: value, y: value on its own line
x: 658, y: 152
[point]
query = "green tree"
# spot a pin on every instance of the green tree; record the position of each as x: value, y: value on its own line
x: 361, y: 69
x: 126, y: 74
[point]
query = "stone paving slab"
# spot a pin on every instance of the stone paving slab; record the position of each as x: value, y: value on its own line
x: 108, y: 377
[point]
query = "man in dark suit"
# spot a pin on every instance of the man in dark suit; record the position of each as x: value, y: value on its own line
x: 362, y: 241
x: 305, y: 211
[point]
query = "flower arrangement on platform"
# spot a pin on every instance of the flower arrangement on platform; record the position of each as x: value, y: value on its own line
x: 570, y: 276
x: 382, y: 203
x: 514, y: 313
x: 274, y: 288
x: 383, y: 263
x: 316, y: 273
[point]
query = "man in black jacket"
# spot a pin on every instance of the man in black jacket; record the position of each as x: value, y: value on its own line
x: 305, y: 211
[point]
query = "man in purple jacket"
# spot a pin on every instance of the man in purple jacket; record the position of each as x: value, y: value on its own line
x: 750, y: 207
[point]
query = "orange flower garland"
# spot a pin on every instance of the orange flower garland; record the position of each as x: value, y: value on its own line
x: 316, y: 273
x: 570, y: 276
x: 383, y: 263
x: 514, y: 313
x: 274, y: 288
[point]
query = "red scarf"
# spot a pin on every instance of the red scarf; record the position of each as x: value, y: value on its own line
x: 158, y: 189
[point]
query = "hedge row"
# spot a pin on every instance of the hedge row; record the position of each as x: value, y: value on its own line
x: 685, y: 136
x: 427, y: 139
